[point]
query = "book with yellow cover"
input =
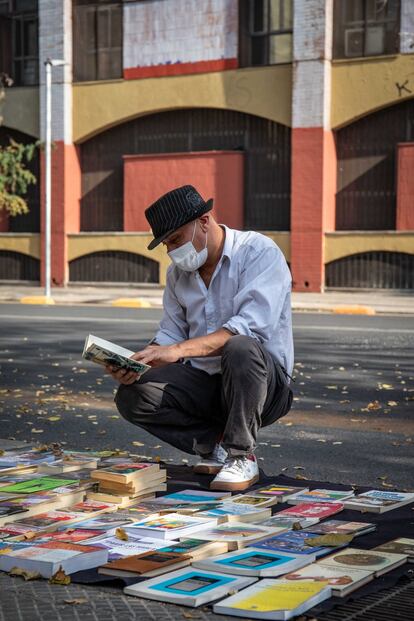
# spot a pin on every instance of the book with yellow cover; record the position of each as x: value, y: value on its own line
x: 274, y: 599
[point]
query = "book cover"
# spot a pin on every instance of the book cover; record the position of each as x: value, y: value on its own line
x: 188, y: 587
x: 105, y: 521
x: 318, y: 510
x: 253, y: 501
x: 372, y: 560
x: 288, y: 523
x: 401, y: 545
x: 342, y: 580
x: 229, y: 511
x: 196, y: 548
x: 117, y: 548
x: 341, y: 527
x: 253, y: 562
x: 32, y: 486
x: 293, y: 542
x: 106, y: 353
x: 275, y: 599
x: 171, y: 526
x: 282, y: 492
x: 145, y: 563
x: 193, y: 497
x: 378, y: 501
x: 320, y: 495
x: 236, y: 534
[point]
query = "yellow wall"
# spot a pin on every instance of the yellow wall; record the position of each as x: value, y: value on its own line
x: 362, y: 86
x: 20, y: 109
x: 339, y: 245
x: 263, y: 91
x: 26, y: 243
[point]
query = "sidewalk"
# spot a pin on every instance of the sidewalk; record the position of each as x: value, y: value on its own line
x: 349, y: 302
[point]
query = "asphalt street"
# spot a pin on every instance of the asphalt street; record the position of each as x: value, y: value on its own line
x: 352, y: 419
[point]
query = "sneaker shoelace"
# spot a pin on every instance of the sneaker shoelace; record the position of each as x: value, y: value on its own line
x: 235, y: 465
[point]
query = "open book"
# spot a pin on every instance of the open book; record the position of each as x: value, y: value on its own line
x: 107, y: 353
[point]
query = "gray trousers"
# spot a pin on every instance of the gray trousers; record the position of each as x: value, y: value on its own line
x: 192, y: 410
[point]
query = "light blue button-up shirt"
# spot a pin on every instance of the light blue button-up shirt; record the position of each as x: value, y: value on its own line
x: 249, y: 293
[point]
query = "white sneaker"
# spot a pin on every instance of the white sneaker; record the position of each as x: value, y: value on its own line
x: 211, y: 464
x: 238, y: 473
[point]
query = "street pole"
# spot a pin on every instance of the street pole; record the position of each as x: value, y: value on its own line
x: 48, y: 173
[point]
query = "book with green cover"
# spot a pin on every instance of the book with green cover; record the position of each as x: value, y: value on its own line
x: 33, y: 486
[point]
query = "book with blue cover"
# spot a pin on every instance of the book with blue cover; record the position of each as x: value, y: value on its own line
x: 189, y: 587
x: 254, y: 562
x: 294, y: 542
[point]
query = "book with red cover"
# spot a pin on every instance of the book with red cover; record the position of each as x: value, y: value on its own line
x: 147, y: 564
x: 319, y: 510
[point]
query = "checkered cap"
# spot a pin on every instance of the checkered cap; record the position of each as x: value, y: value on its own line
x: 174, y: 209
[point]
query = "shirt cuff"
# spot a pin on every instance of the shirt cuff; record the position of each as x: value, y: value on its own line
x: 164, y: 338
x: 239, y: 326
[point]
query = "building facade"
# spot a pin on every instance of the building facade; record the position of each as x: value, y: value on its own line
x: 297, y: 116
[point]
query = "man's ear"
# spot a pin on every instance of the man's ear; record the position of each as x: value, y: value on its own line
x: 205, y: 222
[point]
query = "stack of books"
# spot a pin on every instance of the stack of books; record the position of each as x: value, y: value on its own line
x: 124, y: 483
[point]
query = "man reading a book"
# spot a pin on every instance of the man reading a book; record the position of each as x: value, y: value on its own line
x: 222, y: 357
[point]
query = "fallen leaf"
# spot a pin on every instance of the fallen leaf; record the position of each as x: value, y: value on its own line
x: 374, y: 405
x: 300, y: 476
x: 135, y: 443
x: 331, y: 541
x: 53, y: 418
x: 37, y: 430
x: 121, y: 534
x: 24, y: 573
x: 74, y: 602
x: 392, y: 403
x: 59, y: 577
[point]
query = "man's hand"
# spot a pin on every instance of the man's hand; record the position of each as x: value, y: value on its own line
x: 158, y: 355
x: 123, y: 376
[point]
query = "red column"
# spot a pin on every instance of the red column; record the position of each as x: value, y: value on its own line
x: 405, y: 187
x: 312, y: 204
x: 66, y: 194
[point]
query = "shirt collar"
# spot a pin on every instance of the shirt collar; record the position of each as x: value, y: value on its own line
x: 228, y: 242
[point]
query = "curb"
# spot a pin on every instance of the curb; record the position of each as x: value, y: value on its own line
x: 131, y: 303
x: 354, y: 310
x: 37, y: 299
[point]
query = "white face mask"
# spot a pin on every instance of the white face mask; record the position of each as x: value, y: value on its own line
x: 186, y: 256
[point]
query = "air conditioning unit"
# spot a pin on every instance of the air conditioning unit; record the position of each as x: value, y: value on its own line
x: 354, y: 42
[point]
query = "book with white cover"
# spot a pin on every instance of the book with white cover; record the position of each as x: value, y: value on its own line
x: 171, y: 526
x: 369, y: 560
x: 274, y: 599
x: 401, y: 545
x: 189, y: 587
x: 378, y: 501
x: 47, y: 558
x: 231, y: 512
x: 106, y: 353
x: 289, y: 523
x: 237, y: 534
x: 320, y: 495
x: 253, y: 562
x: 118, y: 548
x: 342, y: 580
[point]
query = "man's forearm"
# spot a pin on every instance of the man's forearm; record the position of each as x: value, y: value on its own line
x: 209, y: 345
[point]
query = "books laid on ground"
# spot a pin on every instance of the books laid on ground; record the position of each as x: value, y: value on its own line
x: 402, y: 545
x: 129, y: 473
x: 61, y: 466
x: 342, y: 580
x: 193, y: 497
x: 71, y: 535
x: 369, y: 560
x: 294, y: 542
x: 106, y: 353
x: 50, y: 521
x: 189, y: 587
x: 35, y: 485
x: 274, y: 599
x: 10, y: 512
x: 342, y: 527
x: 91, y: 508
x: 125, y: 500
x: 253, y: 501
x: 253, y: 562
x: 378, y: 501
x: 188, y: 509
x: 118, y: 548
x: 236, y: 534
x: 145, y: 565
x: 47, y: 558
x: 41, y: 503
x: 288, y: 523
x: 196, y: 548
x: 232, y: 512
x: 320, y: 495
x: 281, y: 492
x: 105, y: 522
x: 171, y: 526
x: 318, y: 510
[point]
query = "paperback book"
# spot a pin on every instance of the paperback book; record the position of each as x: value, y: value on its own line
x: 236, y: 534
x: 193, y: 497
x: 189, y: 587
x: 253, y: 562
x: 401, y: 545
x: 232, y: 512
x: 320, y: 495
x: 294, y: 542
x: 105, y: 353
x: 118, y: 548
x: 281, y: 492
x: 378, y: 501
x: 369, y: 560
x: 341, y: 527
x: 342, y: 580
x: 196, y: 548
x: 145, y: 565
x: 35, y: 485
x: 171, y: 526
x: 289, y: 523
x: 275, y: 599
x: 318, y: 510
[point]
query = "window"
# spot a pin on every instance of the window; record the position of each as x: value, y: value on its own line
x: 19, y: 46
x: 365, y: 28
x: 97, y: 37
x: 265, y: 32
